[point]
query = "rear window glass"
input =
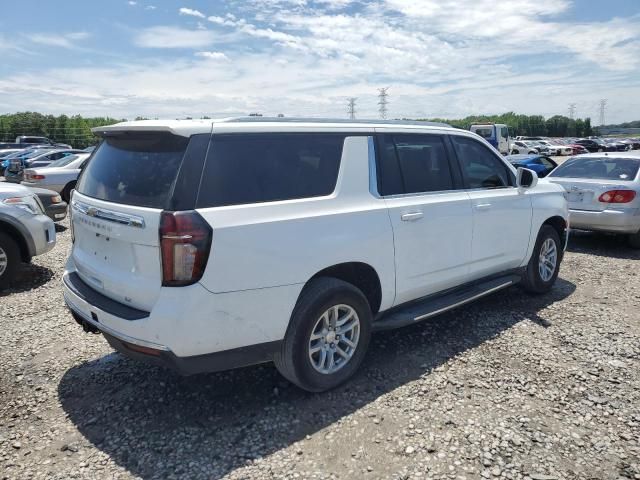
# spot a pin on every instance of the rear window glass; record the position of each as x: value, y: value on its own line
x: 134, y: 169
x: 63, y: 161
x: 599, y: 168
x: 258, y: 168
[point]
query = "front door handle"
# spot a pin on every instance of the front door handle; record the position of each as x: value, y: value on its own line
x: 411, y: 216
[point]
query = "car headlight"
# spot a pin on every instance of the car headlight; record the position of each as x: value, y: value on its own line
x: 28, y: 203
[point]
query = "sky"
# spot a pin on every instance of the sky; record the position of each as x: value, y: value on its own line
x: 439, y: 58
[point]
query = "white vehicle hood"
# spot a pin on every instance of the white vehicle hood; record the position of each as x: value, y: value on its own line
x: 8, y: 190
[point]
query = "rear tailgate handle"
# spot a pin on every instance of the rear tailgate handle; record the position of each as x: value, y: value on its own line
x: 411, y: 216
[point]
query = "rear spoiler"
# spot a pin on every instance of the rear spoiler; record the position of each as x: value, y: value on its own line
x: 175, y: 127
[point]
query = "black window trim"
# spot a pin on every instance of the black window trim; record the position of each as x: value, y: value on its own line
x: 510, y: 174
x: 454, y: 167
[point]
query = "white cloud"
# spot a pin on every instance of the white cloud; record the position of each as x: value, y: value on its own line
x: 150, y: 7
x: 212, y: 55
x: 173, y: 37
x: 192, y: 13
x: 132, y: 2
x: 77, y: 35
x: 64, y: 40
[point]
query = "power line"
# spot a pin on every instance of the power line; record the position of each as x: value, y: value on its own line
x: 572, y: 110
x: 383, y: 101
x: 603, y: 107
x: 352, y: 107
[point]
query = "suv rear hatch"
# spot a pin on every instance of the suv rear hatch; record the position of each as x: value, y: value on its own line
x: 116, y: 212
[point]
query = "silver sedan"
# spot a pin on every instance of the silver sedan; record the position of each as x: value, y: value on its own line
x: 603, y: 191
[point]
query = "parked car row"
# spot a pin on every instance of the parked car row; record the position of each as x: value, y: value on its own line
x: 572, y: 146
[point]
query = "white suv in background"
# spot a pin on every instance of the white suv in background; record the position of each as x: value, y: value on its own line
x: 207, y: 245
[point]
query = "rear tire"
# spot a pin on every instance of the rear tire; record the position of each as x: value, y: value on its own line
x: 9, y: 260
x: 66, y: 191
x: 542, y: 270
x: 634, y: 240
x: 309, y: 347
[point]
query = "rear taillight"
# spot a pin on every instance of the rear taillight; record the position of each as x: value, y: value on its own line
x: 35, y: 176
x: 617, y: 196
x: 185, y: 242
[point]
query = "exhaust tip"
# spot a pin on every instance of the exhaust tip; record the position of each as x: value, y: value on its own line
x: 88, y: 328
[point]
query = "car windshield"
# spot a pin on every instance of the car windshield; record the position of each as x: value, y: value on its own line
x: 485, y: 132
x: 600, y: 168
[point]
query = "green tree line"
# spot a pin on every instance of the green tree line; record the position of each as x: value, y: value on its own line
x: 74, y: 130
x: 528, y: 125
x: 633, y: 124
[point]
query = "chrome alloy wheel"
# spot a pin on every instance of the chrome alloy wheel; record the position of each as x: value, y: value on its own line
x: 548, y: 259
x: 4, y: 261
x: 334, y: 339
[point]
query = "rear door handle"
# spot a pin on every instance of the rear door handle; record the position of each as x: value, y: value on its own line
x: 411, y: 216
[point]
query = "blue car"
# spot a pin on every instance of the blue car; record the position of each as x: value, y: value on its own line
x: 541, y: 164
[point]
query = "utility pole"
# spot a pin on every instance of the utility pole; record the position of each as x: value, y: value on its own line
x: 572, y: 110
x: 352, y: 107
x: 383, y: 101
x: 603, y: 107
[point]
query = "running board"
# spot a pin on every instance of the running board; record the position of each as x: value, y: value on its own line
x: 439, y: 303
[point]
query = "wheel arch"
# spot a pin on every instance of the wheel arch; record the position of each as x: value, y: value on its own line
x: 359, y: 274
x: 16, y: 235
x: 559, y: 224
x: 71, y: 184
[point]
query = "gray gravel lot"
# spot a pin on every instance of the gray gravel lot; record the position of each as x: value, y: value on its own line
x: 512, y: 387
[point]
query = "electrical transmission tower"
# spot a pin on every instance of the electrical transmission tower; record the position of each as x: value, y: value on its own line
x: 572, y: 110
x: 603, y: 107
x: 352, y: 107
x: 383, y: 101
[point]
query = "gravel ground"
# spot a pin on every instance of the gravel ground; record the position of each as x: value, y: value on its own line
x: 511, y: 387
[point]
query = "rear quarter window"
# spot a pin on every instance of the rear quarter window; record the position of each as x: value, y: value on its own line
x: 257, y: 168
x: 134, y: 169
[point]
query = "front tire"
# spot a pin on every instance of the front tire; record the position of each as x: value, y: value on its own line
x: 9, y: 260
x: 328, y: 335
x: 544, y: 265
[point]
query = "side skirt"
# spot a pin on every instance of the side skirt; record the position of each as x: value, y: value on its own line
x: 438, y: 303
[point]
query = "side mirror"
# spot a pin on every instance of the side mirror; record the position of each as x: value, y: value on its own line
x: 526, y: 178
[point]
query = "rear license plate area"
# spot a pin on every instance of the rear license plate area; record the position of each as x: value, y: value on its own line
x: 575, y: 197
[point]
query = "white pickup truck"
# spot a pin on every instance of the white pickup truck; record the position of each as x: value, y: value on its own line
x: 207, y: 245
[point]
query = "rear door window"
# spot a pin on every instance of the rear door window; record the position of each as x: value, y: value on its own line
x: 134, y: 168
x: 267, y: 167
x: 414, y: 163
x: 480, y: 166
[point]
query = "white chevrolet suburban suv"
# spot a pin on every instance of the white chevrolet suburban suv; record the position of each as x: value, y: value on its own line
x: 207, y: 245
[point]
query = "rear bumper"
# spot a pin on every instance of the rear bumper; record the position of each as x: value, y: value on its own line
x: 614, y: 221
x: 161, y: 356
x: 190, y: 329
x: 55, y: 188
